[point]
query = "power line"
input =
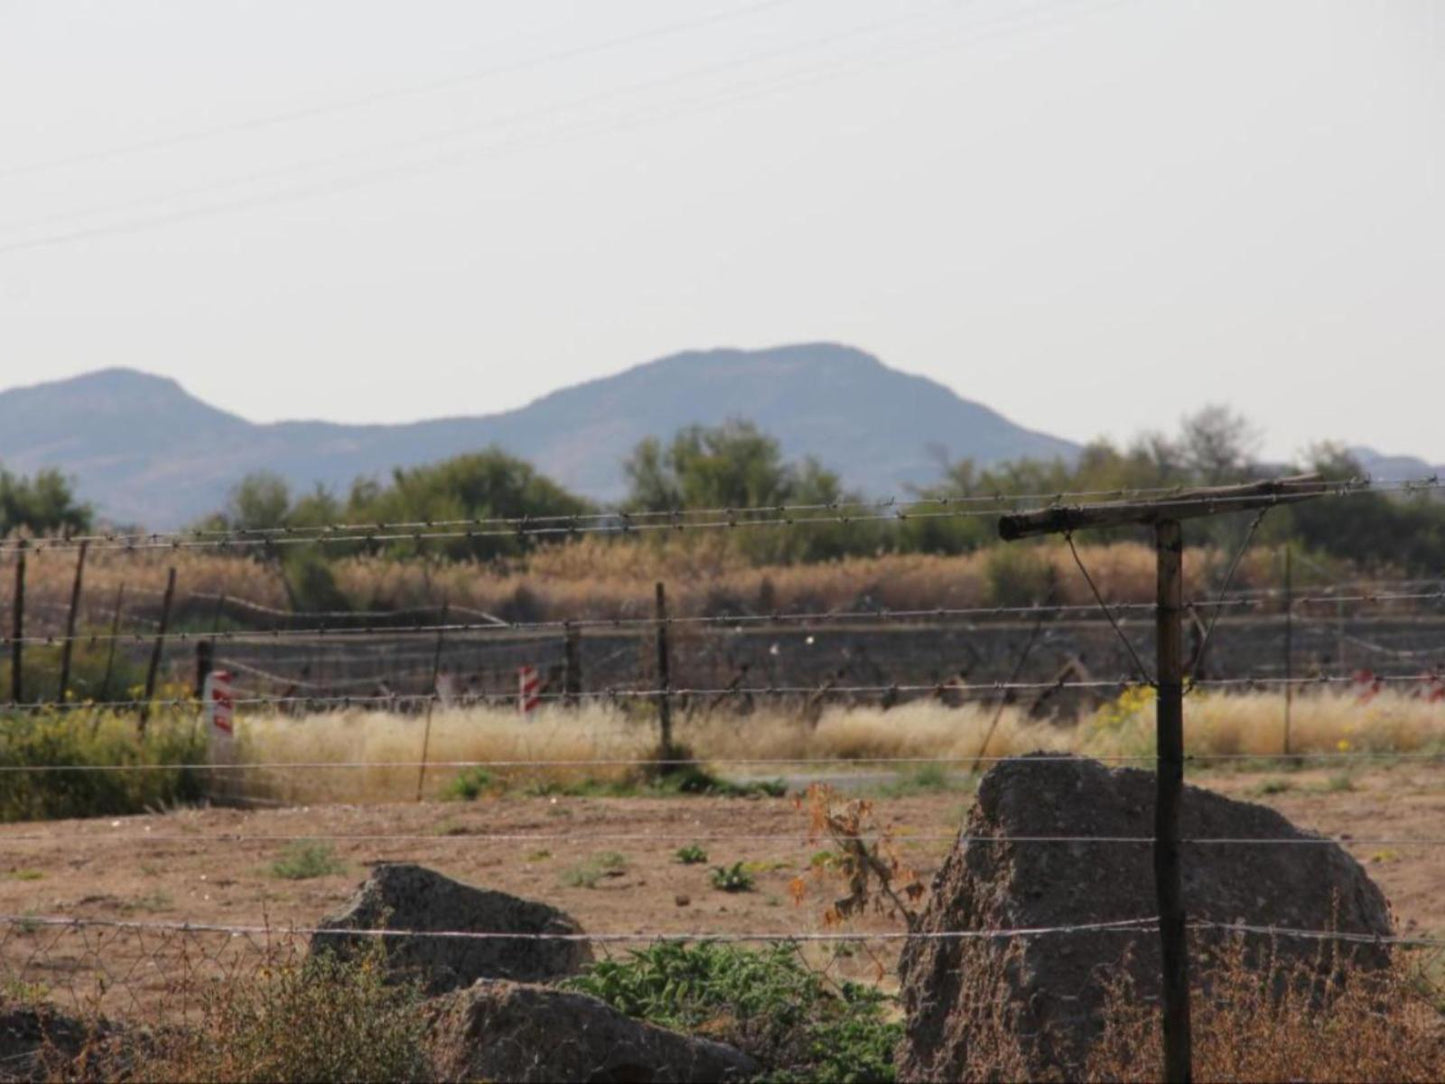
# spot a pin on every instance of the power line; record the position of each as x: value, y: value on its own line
x: 344, y: 105
x: 462, y: 157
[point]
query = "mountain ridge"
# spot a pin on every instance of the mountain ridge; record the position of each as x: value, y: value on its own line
x: 144, y: 450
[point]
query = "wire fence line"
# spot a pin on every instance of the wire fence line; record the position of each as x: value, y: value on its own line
x: 984, y: 691
x: 899, y: 837
x: 653, y: 688
x: 801, y: 618
x: 1127, y: 925
x: 715, y: 512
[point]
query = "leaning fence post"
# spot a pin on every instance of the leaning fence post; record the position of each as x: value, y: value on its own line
x: 155, y: 665
x: 69, y: 644
x: 17, y: 628
x: 664, y: 682
x: 114, y: 639
x: 436, y: 669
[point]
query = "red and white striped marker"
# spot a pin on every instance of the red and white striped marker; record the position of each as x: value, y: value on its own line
x: 529, y: 689
x: 220, y: 704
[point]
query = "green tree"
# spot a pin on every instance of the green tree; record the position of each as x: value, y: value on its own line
x: 42, y: 504
x: 481, y: 485
x: 736, y: 465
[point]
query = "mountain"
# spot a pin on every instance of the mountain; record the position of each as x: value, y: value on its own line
x: 145, y: 451
x: 1394, y: 468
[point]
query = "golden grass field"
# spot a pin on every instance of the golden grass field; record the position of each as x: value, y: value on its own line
x: 560, y: 743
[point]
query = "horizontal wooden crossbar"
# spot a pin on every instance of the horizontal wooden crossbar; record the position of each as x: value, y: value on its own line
x: 1185, y: 504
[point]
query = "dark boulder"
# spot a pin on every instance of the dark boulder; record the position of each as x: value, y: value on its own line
x: 1055, y: 985
x: 498, y: 1030
x: 409, y: 897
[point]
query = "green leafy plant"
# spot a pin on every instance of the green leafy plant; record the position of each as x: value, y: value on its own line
x: 800, y: 1026
x: 691, y: 855
x: 734, y: 878
x: 305, y: 859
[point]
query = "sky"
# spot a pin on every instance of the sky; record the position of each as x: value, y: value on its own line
x: 1092, y: 215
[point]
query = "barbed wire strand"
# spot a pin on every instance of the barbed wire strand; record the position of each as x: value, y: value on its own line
x: 803, y: 619
x: 897, y: 511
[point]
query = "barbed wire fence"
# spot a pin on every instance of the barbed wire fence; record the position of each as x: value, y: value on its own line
x: 411, y: 661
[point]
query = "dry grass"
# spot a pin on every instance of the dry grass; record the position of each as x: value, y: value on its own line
x: 1384, y: 1027
x: 567, y: 744
x: 608, y: 577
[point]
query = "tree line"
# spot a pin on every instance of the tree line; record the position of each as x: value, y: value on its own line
x: 736, y: 465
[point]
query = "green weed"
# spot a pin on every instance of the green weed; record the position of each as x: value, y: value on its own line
x: 798, y: 1025
x: 734, y: 878
x: 305, y: 859
x: 691, y: 855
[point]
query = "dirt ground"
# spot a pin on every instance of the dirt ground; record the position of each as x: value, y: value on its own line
x: 214, y: 866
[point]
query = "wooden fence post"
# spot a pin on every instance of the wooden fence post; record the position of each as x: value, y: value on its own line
x: 155, y: 665
x: 114, y: 640
x: 664, y: 683
x: 1288, y: 644
x: 17, y: 628
x: 572, y: 666
x: 69, y: 644
x: 436, y: 670
x: 205, y: 663
x: 1169, y: 781
x: 1165, y: 516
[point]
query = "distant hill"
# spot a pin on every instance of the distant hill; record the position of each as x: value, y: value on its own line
x: 1395, y: 468
x: 145, y: 451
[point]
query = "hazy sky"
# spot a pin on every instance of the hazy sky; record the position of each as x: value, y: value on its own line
x: 1091, y: 215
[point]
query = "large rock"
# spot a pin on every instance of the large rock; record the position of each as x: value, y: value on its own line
x: 408, y: 897
x: 498, y: 1030
x: 1054, y: 985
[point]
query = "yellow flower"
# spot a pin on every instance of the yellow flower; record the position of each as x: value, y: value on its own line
x: 1343, y: 745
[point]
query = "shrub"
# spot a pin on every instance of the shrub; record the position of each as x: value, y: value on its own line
x: 766, y: 1002
x: 468, y: 785
x: 305, y: 859
x: 322, y: 1019
x: 79, y: 739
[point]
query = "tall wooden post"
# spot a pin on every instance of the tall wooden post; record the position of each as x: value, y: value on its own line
x: 1165, y: 516
x: 664, y: 682
x: 155, y: 664
x: 68, y: 646
x: 1288, y: 644
x: 205, y: 663
x: 1169, y: 782
x: 17, y: 628
x: 572, y: 666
